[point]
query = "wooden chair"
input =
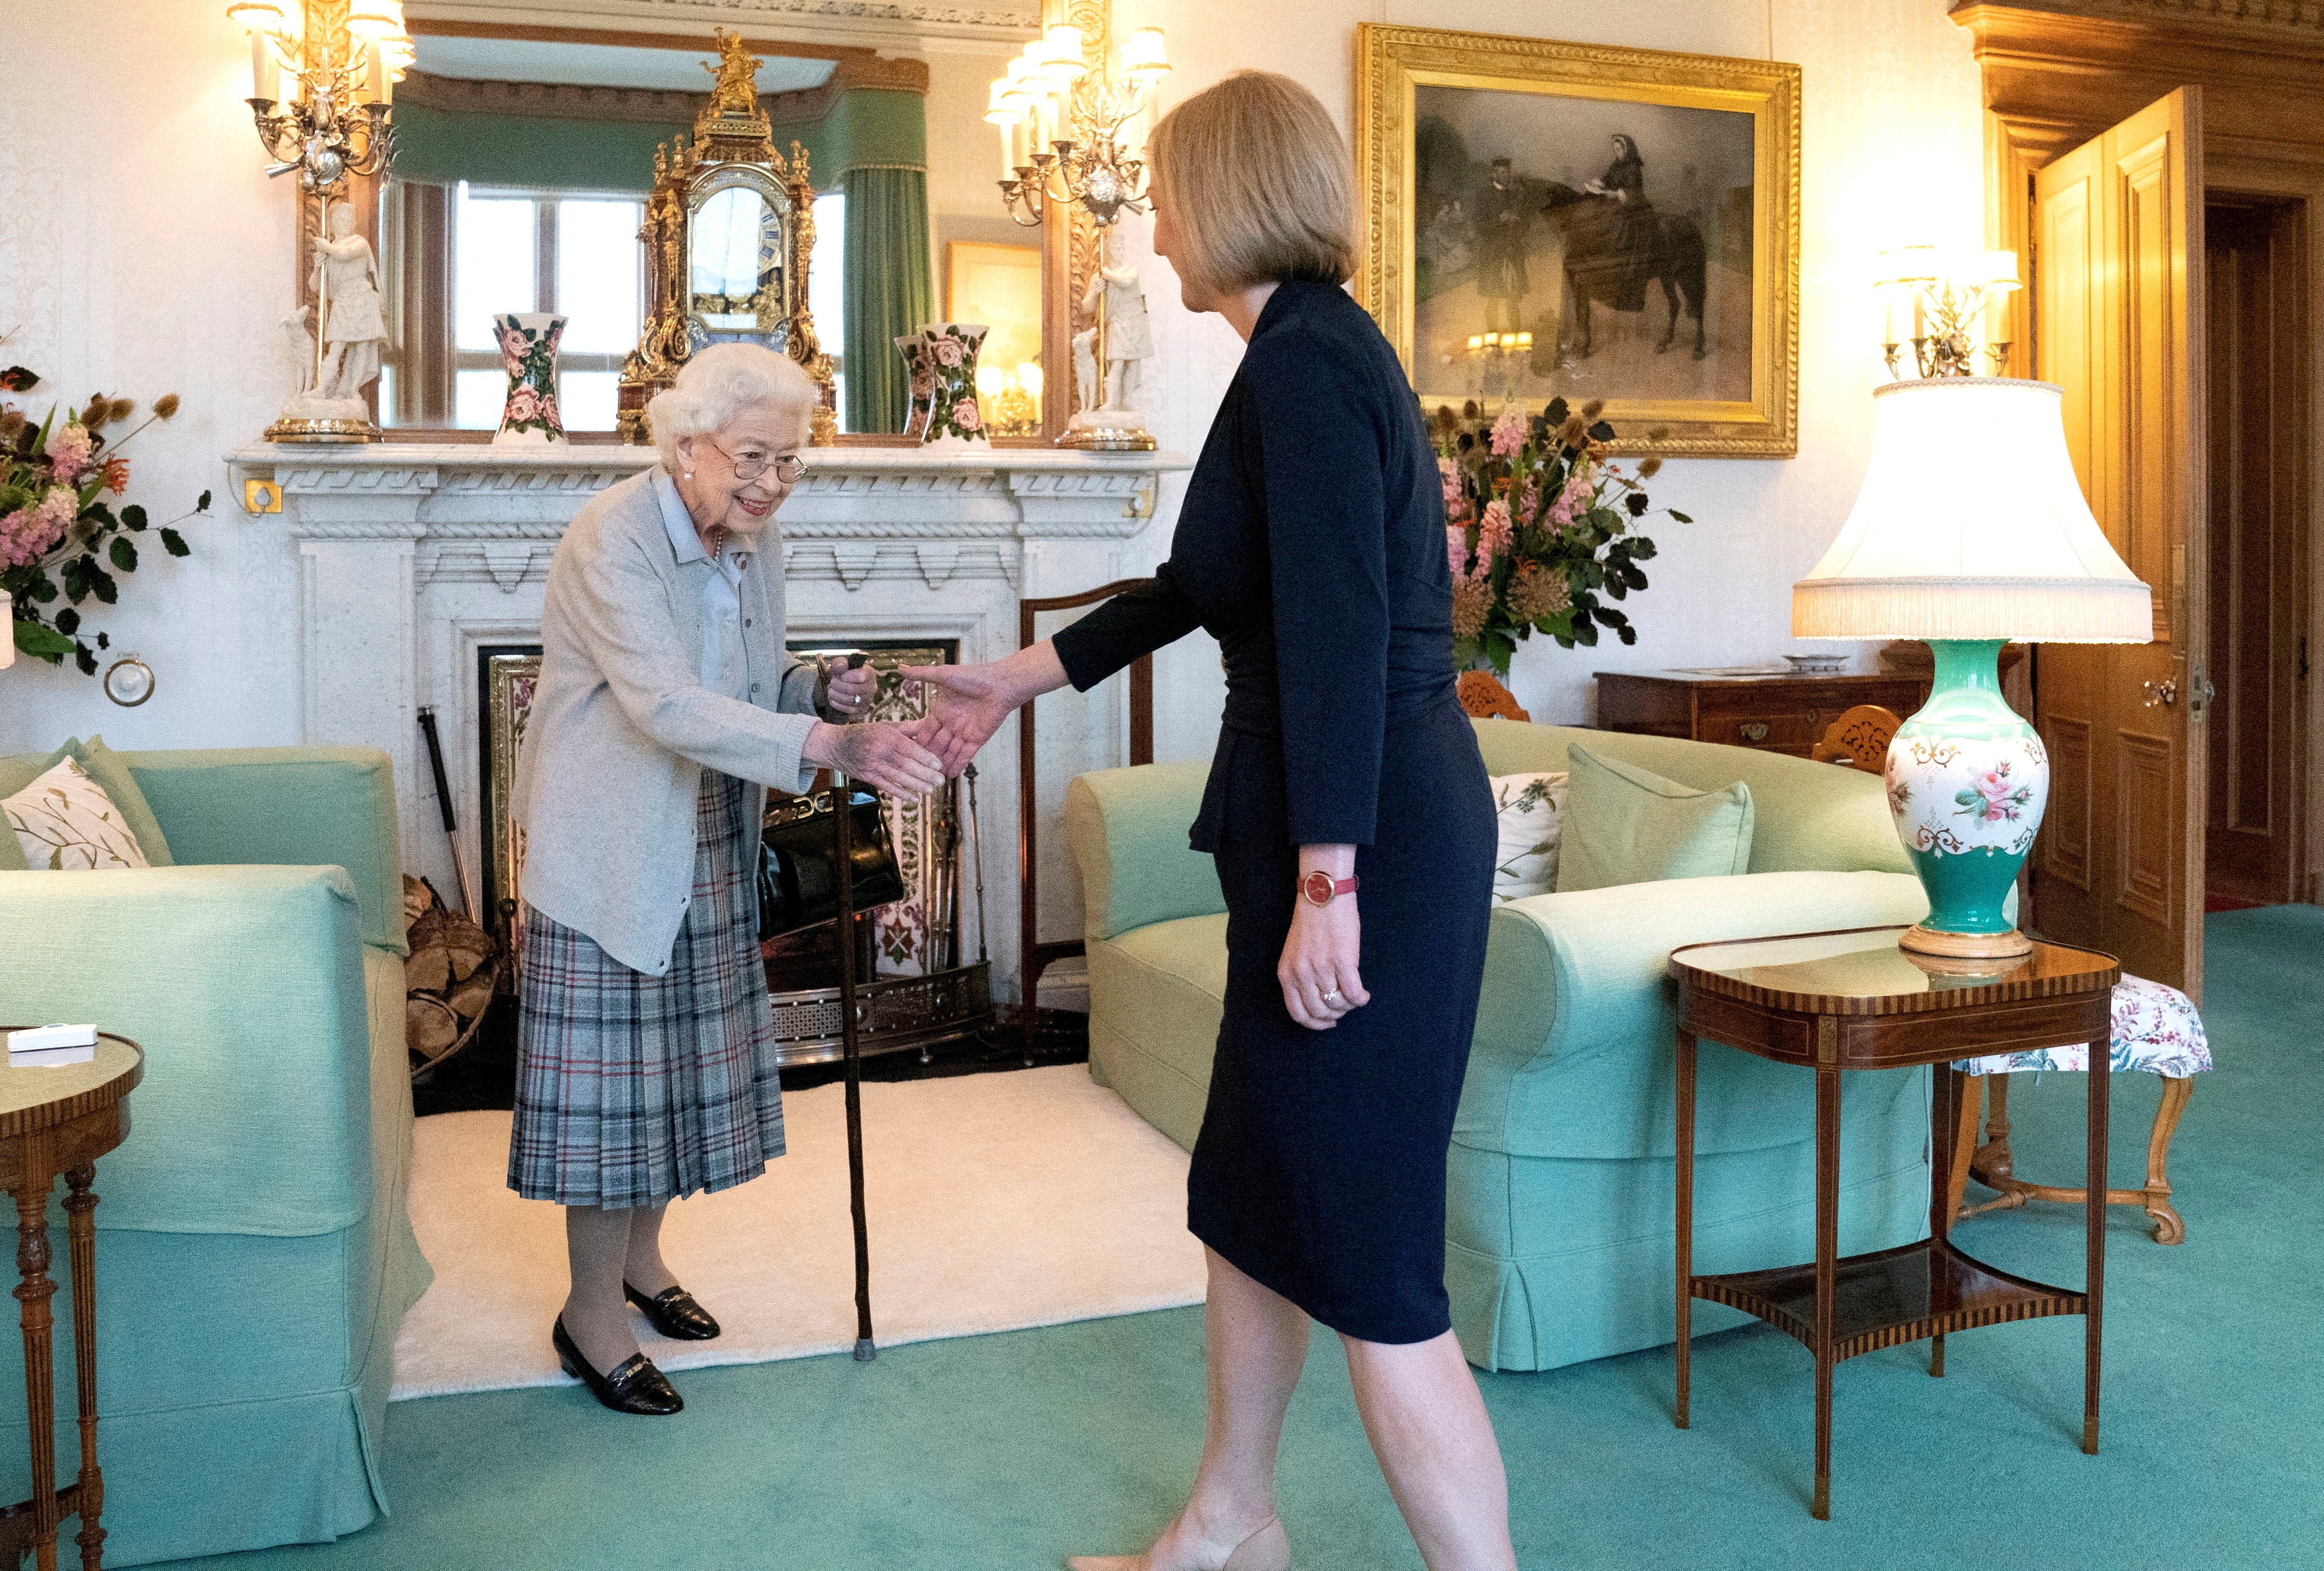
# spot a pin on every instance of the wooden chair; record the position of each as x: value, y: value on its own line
x: 2156, y: 1031
x: 1858, y: 739
x: 1484, y: 698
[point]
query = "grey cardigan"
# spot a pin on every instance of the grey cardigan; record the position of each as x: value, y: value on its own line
x: 622, y: 727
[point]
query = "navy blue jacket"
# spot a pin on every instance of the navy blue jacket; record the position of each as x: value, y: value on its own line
x: 1311, y: 545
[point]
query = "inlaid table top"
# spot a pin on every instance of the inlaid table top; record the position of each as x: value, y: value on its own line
x: 42, y: 1096
x: 1862, y: 972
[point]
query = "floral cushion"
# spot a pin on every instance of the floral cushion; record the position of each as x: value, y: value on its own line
x: 2156, y: 1030
x: 65, y: 822
x: 1528, y: 809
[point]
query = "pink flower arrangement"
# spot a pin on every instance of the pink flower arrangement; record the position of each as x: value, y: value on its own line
x: 1509, y: 433
x: 1450, y: 473
x: 68, y: 451
x: 1495, y: 533
x: 30, y: 533
x: 1456, y: 547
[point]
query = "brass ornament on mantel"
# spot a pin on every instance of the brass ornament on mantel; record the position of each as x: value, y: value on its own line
x: 733, y: 150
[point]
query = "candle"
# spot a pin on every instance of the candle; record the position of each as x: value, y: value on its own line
x: 1997, y: 318
x: 266, y: 73
x: 375, y: 74
x: 1007, y: 150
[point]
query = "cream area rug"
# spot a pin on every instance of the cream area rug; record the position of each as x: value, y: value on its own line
x: 997, y: 1202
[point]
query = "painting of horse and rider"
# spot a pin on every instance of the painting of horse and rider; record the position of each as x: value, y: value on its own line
x: 1615, y: 236
x: 1591, y: 223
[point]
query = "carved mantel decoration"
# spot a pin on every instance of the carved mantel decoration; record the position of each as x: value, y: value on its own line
x: 417, y: 560
x: 732, y: 151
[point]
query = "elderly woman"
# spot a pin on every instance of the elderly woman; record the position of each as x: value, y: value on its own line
x: 667, y: 704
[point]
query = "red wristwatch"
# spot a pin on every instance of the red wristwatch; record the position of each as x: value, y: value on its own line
x: 1320, y: 888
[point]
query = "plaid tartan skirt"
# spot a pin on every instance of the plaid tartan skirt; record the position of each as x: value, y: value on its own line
x: 633, y: 1090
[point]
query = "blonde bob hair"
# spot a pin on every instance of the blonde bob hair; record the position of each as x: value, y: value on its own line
x: 1258, y: 183
x: 716, y: 384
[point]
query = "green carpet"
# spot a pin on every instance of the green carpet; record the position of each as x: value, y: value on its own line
x: 1004, y: 1452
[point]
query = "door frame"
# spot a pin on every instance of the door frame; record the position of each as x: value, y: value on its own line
x: 2057, y: 73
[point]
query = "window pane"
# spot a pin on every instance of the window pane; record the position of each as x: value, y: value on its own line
x: 825, y: 269
x: 597, y: 281
x: 387, y: 395
x: 477, y: 399
x: 493, y: 266
x: 586, y: 399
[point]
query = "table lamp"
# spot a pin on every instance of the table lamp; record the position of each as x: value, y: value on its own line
x: 1971, y: 530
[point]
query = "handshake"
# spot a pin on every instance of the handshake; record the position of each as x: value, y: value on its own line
x: 966, y: 705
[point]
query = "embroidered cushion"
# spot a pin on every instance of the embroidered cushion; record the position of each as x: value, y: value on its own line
x: 1530, y: 809
x: 2156, y: 1030
x: 113, y: 776
x: 64, y: 822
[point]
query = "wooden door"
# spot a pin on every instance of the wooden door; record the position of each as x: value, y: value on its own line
x: 2255, y: 274
x: 2117, y: 240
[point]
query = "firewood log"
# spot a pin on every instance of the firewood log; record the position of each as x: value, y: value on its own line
x: 429, y: 970
x: 430, y: 1027
x: 470, y: 999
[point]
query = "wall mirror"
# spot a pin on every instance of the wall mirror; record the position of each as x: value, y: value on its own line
x: 525, y: 174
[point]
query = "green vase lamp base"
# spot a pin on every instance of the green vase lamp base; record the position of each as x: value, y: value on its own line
x: 1968, y: 780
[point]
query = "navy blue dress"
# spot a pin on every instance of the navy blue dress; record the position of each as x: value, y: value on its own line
x: 1311, y: 544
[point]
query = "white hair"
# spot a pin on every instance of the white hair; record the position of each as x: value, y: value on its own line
x: 717, y: 384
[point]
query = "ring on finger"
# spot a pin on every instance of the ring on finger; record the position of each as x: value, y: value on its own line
x: 1332, y: 996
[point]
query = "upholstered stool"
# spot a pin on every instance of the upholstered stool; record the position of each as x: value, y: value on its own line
x: 2157, y: 1031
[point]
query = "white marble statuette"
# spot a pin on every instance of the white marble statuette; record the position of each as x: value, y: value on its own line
x: 1106, y: 398
x: 331, y: 379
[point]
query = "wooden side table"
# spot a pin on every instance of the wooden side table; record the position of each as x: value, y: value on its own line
x: 58, y: 1121
x: 1853, y: 1000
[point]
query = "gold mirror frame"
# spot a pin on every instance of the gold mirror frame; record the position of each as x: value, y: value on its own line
x: 732, y: 147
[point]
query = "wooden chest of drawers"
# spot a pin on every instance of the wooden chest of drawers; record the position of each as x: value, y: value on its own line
x: 1777, y: 713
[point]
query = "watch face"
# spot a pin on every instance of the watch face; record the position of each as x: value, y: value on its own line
x: 129, y: 681
x: 1317, y: 887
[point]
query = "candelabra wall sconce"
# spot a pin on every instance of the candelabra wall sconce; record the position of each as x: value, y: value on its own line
x: 1011, y: 400
x: 1951, y: 309
x: 1063, y: 125
x: 322, y: 94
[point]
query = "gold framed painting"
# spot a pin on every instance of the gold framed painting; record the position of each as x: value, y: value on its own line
x: 1547, y: 218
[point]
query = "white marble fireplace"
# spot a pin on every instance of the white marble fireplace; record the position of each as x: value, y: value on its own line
x: 414, y: 558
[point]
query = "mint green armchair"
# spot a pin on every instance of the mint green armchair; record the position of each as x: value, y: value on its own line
x: 1559, y: 1201
x: 254, y: 1253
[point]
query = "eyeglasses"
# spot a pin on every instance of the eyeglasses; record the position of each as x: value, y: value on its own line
x: 788, y: 467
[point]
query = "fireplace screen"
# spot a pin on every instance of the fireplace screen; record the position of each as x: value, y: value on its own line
x: 916, y: 936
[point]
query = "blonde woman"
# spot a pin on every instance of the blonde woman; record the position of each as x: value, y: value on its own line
x: 1312, y: 544
x: 645, y: 1052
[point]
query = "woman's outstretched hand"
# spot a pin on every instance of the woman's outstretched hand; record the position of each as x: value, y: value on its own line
x: 883, y: 754
x: 968, y: 703
x: 1319, y: 971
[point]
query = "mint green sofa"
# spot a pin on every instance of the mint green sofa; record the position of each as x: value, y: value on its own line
x: 254, y: 1255
x: 1560, y: 1197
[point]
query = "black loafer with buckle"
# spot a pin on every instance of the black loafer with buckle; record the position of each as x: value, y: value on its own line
x: 673, y: 1312
x: 635, y: 1386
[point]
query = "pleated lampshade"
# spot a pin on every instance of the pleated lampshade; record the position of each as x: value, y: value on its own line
x: 1971, y: 525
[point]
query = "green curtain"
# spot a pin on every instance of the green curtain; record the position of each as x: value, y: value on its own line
x: 886, y: 291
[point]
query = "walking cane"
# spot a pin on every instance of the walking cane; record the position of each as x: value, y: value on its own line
x: 842, y: 831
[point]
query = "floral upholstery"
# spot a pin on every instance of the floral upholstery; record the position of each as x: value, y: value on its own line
x: 2156, y: 1030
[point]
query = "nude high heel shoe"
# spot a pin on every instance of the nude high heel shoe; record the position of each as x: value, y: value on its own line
x: 1268, y: 1549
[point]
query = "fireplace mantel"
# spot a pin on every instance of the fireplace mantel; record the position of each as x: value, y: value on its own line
x: 413, y: 557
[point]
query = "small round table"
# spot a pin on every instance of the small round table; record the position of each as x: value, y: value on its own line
x: 1853, y: 1000
x: 57, y: 1120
